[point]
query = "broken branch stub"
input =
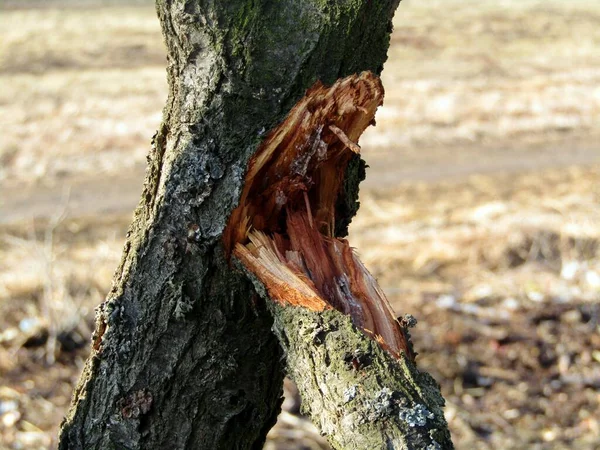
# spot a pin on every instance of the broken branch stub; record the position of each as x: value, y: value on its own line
x: 283, y: 229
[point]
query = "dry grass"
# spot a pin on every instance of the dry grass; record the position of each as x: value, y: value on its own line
x: 503, y: 235
x: 481, y: 72
x: 82, y: 90
x: 45, y: 276
x: 52, y: 275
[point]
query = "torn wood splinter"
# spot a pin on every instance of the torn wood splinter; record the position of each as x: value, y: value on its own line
x: 283, y: 229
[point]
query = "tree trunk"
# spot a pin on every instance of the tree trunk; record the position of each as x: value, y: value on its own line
x: 183, y: 355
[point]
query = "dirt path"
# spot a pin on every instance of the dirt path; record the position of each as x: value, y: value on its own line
x: 430, y: 165
x: 119, y: 193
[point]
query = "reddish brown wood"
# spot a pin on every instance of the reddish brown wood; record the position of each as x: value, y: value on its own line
x: 282, y: 230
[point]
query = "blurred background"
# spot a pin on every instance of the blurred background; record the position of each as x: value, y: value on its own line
x: 480, y: 213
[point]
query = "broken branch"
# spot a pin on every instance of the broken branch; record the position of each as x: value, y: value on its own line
x: 282, y: 228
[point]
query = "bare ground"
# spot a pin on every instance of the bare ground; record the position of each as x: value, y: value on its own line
x: 479, y: 214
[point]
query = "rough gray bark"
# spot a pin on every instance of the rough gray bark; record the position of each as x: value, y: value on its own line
x: 182, y: 356
x: 356, y: 393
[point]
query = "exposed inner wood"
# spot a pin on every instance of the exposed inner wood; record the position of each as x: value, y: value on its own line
x: 283, y: 228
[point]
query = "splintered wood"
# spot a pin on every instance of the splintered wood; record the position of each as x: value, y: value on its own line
x: 283, y: 229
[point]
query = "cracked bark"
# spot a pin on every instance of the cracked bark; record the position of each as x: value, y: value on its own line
x: 183, y: 355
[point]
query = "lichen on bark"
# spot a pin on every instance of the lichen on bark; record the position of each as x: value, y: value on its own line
x: 359, y: 395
